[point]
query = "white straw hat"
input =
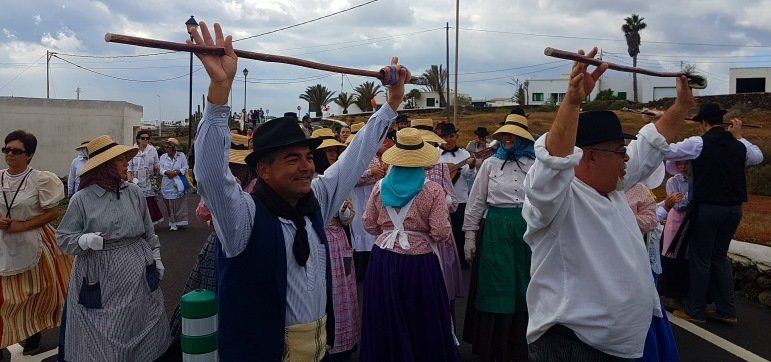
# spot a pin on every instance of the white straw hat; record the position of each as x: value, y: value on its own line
x: 426, y: 128
x: 328, y: 138
x: 410, y: 150
x: 516, y: 125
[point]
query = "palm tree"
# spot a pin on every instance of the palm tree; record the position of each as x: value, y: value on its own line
x: 345, y: 100
x: 317, y: 96
x: 365, y: 93
x: 436, y: 77
x: 632, y: 27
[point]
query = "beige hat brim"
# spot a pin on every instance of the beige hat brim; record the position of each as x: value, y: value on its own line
x: 330, y: 143
x: 422, y: 157
x: 105, y: 156
x: 512, y: 129
x: 429, y: 136
x: 237, y: 156
x: 349, y: 139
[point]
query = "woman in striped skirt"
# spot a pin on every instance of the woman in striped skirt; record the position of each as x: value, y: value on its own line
x: 33, y: 271
x: 115, y: 306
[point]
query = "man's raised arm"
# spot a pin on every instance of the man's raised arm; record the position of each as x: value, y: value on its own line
x: 233, y: 210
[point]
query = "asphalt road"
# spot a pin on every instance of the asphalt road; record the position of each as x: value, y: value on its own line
x: 180, y: 250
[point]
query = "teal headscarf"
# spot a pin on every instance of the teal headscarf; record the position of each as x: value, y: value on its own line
x: 400, y: 185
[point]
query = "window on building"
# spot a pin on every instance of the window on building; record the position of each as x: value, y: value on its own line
x: 537, y: 97
x: 621, y: 95
x: 556, y: 98
x: 750, y: 85
x: 430, y: 102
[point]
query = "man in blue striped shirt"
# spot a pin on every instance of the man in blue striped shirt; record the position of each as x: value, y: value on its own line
x: 273, y: 270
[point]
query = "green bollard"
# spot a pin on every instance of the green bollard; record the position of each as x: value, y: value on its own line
x: 199, y: 326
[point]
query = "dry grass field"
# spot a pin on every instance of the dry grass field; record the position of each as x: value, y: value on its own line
x: 756, y: 222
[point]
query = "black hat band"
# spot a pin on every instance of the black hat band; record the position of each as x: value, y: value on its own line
x: 425, y: 128
x: 102, y: 149
x: 238, y: 147
x: 325, y: 138
x: 409, y: 147
x: 515, y: 123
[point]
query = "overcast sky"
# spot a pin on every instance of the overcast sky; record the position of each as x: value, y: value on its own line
x: 495, y: 35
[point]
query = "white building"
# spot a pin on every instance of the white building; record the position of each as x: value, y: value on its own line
x: 60, y: 125
x: 552, y: 91
x: 428, y: 100
x: 749, y: 80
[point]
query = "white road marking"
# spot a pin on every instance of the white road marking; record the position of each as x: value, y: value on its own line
x: 715, y: 339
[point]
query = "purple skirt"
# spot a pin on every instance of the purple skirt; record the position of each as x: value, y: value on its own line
x: 406, y: 314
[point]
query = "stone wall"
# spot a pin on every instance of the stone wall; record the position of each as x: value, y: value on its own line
x: 752, y: 271
x: 727, y: 101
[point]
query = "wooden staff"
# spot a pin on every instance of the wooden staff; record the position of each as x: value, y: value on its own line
x: 202, y: 49
x: 647, y: 113
x: 694, y: 81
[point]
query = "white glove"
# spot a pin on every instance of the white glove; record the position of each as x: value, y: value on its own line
x: 158, y: 263
x: 135, y: 181
x: 470, y: 247
x: 91, y: 241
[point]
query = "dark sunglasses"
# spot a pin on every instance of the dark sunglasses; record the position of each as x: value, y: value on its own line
x: 144, y: 138
x: 13, y: 151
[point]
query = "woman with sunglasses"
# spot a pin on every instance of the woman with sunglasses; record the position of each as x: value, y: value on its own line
x: 173, y: 168
x: 33, y: 271
x: 141, y: 170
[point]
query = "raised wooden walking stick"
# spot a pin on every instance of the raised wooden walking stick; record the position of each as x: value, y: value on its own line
x: 648, y: 113
x: 182, y: 47
x: 694, y: 81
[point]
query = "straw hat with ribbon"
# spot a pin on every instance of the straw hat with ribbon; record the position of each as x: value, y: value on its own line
x: 425, y: 126
x: 103, y: 149
x: 327, y: 137
x: 82, y: 145
x: 410, y: 150
x: 356, y: 127
x: 514, y: 124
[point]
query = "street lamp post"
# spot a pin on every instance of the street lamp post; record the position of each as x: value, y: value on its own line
x: 160, y: 118
x: 246, y: 72
x: 190, y: 24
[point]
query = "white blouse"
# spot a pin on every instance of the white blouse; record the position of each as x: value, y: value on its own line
x: 142, y: 167
x: 40, y: 190
x: 169, y: 188
x: 496, y: 187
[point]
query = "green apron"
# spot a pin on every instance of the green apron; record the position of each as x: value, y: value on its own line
x: 504, y: 263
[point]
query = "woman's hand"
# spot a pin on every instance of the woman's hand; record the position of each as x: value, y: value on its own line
x: 15, y: 226
x: 4, y: 222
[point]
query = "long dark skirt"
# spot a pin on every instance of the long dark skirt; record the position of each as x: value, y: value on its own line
x: 406, y: 313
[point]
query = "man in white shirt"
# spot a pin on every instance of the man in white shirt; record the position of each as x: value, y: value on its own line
x: 462, y: 172
x: 73, y: 180
x: 591, y: 295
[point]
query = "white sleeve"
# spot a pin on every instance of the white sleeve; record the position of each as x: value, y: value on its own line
x: 477, y: 199
x: 645, y: 155
x: 687, y: 149
x: 754, y: 154
x: 547, y: 185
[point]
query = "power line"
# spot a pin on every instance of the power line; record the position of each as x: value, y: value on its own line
x: 20, y: 73
x: 355, y: 42
x: 612, y: 39
x: 288, y: 80
x: 128, y: 79
x: 307, y: 21
x: 514, y: 68
x: 116, y: 56
x: 510, y: 76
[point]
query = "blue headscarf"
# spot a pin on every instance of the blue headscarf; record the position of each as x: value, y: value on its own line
x: 400, y: 185
x: 522, y: 147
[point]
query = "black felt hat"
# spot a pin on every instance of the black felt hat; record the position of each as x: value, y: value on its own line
x: 481, y: 132
x: 276, y: 134
x: 446, y: 129
x: 710, y: 112
x: 599, y: 126
x: 291, y: 115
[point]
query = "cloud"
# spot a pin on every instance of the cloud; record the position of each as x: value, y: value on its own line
x: 9, y: 34
x: 37, y: 19
x: 64, y: 40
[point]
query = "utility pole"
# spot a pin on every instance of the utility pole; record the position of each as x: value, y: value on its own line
x: 447, y: 70
x: 455, y: 97
x: 49, y: 54
x: 77, y: 91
